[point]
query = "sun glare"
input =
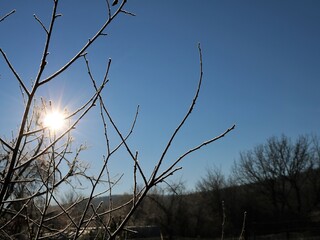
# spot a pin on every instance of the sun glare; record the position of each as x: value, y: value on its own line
x: 54, y: 120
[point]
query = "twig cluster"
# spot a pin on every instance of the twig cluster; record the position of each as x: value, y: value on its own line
x: 32, y: 162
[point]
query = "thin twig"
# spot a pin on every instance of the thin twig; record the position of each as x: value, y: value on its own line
x: 100, y: 219
x: 135, y: 178
x: 6, y: 144
x: 109, y: 9
x: 241, y: 237
x: 165, y: 175
x: 161, y: 176
x: 46, y: 46
x: 15, y: 72
x: 128, y: 13
x: 123, y: 139
x: 183, y: 120
x: 7, y: 15
x: 85, y: 47
x: 41, y: 23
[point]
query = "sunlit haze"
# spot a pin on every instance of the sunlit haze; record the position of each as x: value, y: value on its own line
x: 54, y: 120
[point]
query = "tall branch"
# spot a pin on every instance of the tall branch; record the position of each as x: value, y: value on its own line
x: 183, y: 120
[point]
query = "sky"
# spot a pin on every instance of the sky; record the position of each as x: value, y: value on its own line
x: 261, y: 64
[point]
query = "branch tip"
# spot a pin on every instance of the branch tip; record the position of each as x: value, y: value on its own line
x: 128, y: 13
x: 41, y: 23
x: 7, y: 15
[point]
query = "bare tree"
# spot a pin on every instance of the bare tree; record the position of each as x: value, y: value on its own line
x: 172, y: 208
x: 33, y: 161
x: 280, y: 168
x: 211, y: 188
x: 314, y: 175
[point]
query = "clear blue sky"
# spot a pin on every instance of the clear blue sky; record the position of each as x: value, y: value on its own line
x: 261, y: 62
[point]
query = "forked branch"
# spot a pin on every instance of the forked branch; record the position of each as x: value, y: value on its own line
x: 39, y: 162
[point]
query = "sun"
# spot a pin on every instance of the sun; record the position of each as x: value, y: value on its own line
x: 54, y: 120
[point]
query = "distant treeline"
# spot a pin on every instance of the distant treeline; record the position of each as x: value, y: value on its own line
x: 277, y: 185
x: 274, y: 188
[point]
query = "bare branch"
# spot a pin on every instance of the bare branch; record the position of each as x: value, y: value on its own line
x: 109, y: 9
x: 7, y: 15
x: 135, y: 178
x: 14, y: 72
x: 85, y: 47
x: 164, y: 174
x: 169, y: 172
x: 183, y: 120
x: 6, y: 144
x: 41, y: 23
x: 128, y: 13
x: 38, y: 162
x: 46, y: 46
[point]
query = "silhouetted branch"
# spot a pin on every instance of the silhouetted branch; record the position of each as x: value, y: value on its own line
x: 42, y: 25
x: 128, y: 13
x: 7, y: 15
x: 6, y: 144
x: 39, y: 162
x: 183, y: 120
x: 15, y: 73
x: 85, y: 47
x: 168, y: 171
